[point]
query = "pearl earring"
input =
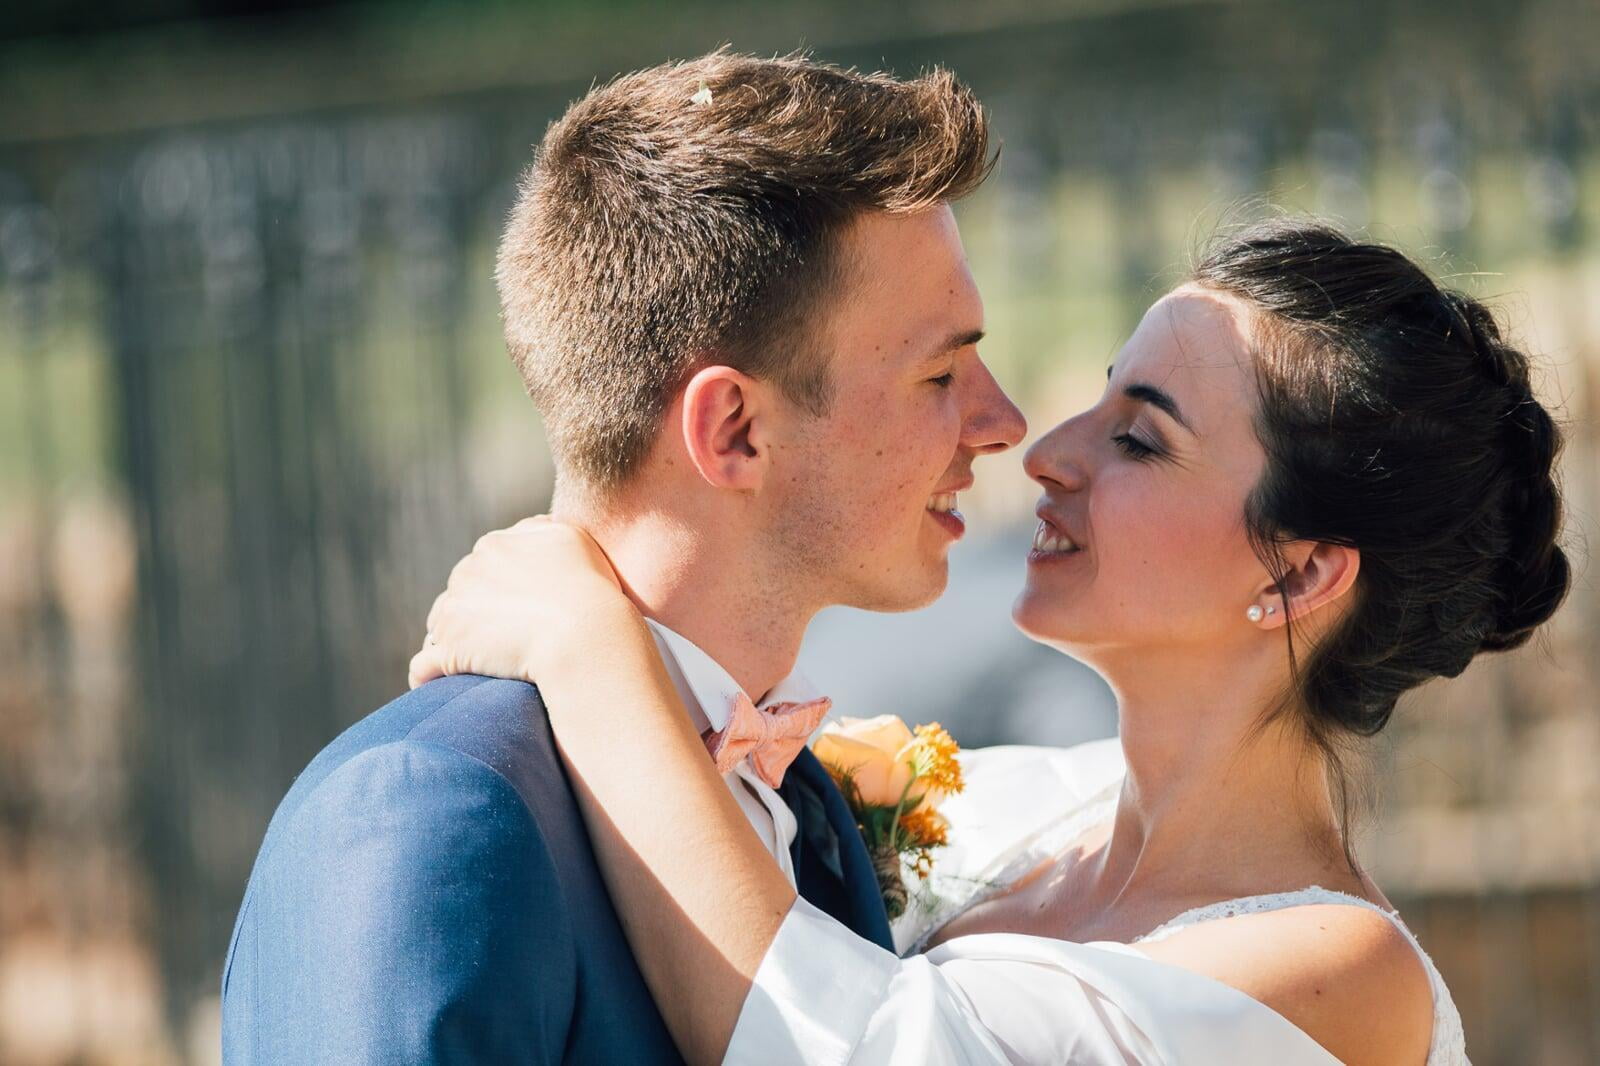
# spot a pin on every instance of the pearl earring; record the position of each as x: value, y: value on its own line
x: 1255, y: 613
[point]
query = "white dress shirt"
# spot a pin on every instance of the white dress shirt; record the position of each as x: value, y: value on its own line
x: 708, y: 691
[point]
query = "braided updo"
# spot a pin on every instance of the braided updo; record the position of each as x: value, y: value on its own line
x: 1397, y: 420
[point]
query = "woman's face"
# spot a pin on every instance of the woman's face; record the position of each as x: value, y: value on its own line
x: 1141, y: 543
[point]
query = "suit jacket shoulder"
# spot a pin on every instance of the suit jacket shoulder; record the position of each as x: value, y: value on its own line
x: 405, y: 905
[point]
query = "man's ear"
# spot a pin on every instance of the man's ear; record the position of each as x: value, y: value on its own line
x: 1319, y: 574
x: 724, y: 422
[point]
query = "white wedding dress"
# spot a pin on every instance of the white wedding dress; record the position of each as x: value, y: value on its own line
x: 823, y: 995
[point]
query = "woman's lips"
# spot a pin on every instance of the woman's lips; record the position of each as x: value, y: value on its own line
x: 1049, y: 541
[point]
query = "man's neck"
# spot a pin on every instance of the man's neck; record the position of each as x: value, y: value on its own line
x: 705, y: 590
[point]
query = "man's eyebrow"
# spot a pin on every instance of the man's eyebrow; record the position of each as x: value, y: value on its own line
x: 1155, y: 397
x: 956, y: 341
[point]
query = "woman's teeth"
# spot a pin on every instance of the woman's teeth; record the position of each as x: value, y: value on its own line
x: 943, y: 501
x: 1048, y: 541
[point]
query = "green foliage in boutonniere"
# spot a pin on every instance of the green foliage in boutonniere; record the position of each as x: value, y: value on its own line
x: 894, y: 781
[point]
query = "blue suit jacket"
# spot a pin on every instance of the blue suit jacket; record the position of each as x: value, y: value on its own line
x: 426, y: 893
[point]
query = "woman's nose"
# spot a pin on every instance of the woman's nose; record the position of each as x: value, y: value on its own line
x: 1057, y: 457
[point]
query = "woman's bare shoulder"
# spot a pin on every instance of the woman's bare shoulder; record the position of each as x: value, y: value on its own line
x: 1346, y: 975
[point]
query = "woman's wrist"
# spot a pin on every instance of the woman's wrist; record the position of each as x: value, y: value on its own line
x: 609, y: 630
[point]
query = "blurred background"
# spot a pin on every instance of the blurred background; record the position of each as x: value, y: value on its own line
x: 254, y: 403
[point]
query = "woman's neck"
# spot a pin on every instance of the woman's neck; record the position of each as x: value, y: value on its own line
x: 1215, y: 803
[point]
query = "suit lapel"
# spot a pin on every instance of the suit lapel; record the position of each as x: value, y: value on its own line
x: 832, y: 869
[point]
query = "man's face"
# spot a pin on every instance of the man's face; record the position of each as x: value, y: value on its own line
x: 862, y: 500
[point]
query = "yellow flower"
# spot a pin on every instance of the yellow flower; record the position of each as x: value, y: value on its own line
x: 933, y: 758
x: 925, y: 828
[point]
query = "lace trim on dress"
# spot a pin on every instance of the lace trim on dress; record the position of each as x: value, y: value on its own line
x: 1448, y: 1046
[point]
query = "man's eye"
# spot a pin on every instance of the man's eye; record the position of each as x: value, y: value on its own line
x: 943, y: 380
x: 1132, y: 446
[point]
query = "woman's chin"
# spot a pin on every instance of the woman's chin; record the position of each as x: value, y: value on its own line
x: 1044, y: 619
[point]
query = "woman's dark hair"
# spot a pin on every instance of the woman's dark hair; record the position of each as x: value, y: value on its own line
x: 1397, y: 420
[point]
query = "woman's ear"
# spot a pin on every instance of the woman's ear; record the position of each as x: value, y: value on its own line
x: 724, y: 426
x: 1318, y: 575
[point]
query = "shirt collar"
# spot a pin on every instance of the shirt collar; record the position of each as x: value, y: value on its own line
x: 707, y: 689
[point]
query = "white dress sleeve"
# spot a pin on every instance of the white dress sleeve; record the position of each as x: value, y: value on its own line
x: 825, y: 996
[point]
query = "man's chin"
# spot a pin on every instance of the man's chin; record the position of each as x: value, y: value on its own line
x: 911, y: 593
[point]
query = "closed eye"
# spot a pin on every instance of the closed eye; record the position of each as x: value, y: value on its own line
x: 1133, y: 447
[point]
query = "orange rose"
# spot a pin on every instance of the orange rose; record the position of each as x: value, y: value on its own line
x: 875, y: 753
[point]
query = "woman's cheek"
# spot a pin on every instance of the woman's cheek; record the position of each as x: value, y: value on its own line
x: 1124, y: 524
x: 1144, y: 542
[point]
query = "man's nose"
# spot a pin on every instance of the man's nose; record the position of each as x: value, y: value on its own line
x: 993, y: 423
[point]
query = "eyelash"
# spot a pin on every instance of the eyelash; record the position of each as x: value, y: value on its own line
x: 1133, y: 447
x: 943, y: 380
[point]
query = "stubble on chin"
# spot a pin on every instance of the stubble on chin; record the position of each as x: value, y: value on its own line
x: 907, y: 583
x: 825, y: 558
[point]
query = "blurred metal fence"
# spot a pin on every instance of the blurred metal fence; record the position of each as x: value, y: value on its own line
x: 253, y: 403
x: 235, y: 361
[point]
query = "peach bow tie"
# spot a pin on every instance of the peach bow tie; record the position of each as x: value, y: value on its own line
x: 770, y: 738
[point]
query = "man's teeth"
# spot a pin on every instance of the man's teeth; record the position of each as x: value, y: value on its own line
x: 1046, y: 539
x: 943, y: 501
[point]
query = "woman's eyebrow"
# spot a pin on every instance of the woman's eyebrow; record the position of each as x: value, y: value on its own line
x: 1157, y: 398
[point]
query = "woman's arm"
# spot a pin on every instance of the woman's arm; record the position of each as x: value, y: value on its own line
x: 699, y: 896
x: 718, y: 931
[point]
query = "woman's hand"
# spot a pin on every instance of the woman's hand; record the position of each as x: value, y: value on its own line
x: 699, y: 896
x: 524, y: 600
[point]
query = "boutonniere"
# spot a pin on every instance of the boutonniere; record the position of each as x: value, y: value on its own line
x: 894, y: 781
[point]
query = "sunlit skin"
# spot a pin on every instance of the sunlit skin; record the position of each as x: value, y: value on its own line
x: 1213, y: 807
x: 752, y: 514
x: 1156, y: 504
x: 1151, y: 484
x: 914, y: 405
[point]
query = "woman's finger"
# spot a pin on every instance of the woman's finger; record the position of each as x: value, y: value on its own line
x: 427, y: 665
x: 434, y: 612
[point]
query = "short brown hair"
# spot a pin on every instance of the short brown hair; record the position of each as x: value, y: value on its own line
x: 687, y: 211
